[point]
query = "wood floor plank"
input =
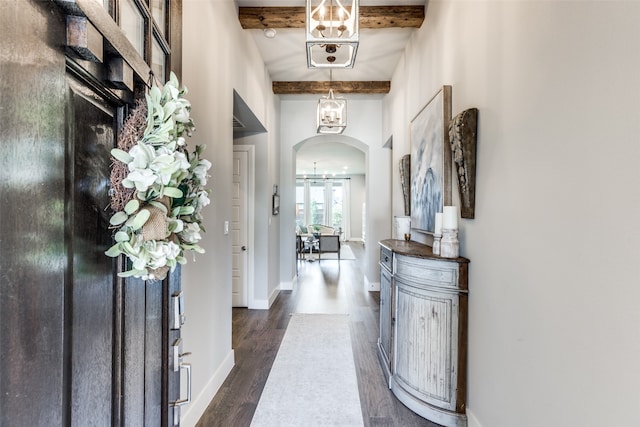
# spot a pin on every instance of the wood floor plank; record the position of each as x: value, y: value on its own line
x: 324, y: 286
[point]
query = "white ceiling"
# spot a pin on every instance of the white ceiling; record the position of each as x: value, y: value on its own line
x: 376, y: 59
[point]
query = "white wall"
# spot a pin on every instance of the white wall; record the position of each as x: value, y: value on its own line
x: 218, y: 57
x: 358, y: 193
x: 554, y: 326
x: 363, y: 131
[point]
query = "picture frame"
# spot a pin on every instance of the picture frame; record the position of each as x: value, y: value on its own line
x: 430, y: 161
x: 276, y: 205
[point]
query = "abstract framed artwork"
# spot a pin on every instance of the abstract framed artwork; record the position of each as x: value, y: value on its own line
x: 430, y: 161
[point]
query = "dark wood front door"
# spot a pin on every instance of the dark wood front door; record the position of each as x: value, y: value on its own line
x: 117, y: 330
x: 78, y: 345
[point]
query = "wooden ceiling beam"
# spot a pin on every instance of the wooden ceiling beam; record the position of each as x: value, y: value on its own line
x: 339, y: 88
x: 294, y: 17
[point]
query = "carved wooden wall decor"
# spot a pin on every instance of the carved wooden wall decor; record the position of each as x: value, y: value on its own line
x: 405, y: 181
x: 463, y: 130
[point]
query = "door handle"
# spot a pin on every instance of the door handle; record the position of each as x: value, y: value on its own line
x: 244, y: 248
x: 180, y: 402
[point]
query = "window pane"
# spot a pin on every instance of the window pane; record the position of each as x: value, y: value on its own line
x: 300, y: 204
x: 317, y: 204
x: 105, y: 4
x: 158, y: 11
x: 158, y: 59
x: 336, y: 211
x: 132, y: 24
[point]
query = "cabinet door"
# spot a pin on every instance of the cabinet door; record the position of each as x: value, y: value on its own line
x: 426, y: 337
x: 386, y: 315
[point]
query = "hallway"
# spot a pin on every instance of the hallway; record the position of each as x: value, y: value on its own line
x: 328, y: 286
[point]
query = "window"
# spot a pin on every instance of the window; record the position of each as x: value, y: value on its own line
x: 132, y: 24
x: 158, y: 60
x: 321, y: 202
x: 144, y: 23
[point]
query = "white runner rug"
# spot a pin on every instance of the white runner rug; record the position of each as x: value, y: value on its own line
x: 313, y: 379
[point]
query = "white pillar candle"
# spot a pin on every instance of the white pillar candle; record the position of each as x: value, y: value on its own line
x: 438, y: 227
x: 450, y: 218
x: 403, y: 226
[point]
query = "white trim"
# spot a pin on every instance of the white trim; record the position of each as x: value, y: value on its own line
x: 262, y: 304
x: 288, y: 286
x: 371, y: 286
x: 251, y: 171
x: 472, y: 420
x: 197, y: 407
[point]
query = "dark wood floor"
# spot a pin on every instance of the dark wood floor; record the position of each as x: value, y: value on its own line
x: 328, y: 286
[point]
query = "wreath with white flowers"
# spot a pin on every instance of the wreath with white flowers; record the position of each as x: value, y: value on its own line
x: 157, y: 185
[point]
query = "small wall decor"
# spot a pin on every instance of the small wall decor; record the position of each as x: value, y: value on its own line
x: 275, y: 210
x: 430, y: 161
x: 405, y: 182
x: 463, y: 131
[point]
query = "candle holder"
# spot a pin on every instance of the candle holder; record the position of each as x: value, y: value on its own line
x: 436, y: 244
x: 449, y: 246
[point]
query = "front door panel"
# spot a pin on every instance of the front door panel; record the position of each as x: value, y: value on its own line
x: 91, y: 283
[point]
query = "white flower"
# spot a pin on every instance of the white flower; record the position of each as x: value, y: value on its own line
x: 191, y: 233
x: 141, y: 179
x: 200, y: 171
x: 142, y: 155
x: 164, y: 166
x: 171, y: 250
x: 181, y: 158
x: 157, y: 255
x: 181, y: 142
x: 181, y: 115
x: 203, y: 199
x: 175, y: 225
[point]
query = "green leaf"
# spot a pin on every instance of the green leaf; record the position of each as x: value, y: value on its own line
x: 186, y: 210
x: 140, y: 219
x: 132, y: 273
x: 159, y: 205
x: 155, y: 94
x: 121, y: 236
x: 132, y: 206
x: 169, y: 109
x: 172, y: 192
x: 127, y: 248
x: 118, y: 218
x: 121, y: 155
x: 113, y: 251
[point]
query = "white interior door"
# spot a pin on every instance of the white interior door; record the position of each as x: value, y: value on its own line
x: 239, y: 227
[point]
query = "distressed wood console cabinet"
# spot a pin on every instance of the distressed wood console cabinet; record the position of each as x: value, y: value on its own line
x: 423, y: 330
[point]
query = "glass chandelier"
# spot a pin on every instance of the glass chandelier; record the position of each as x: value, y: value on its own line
x: 332, y: 113
x: 331, y: 33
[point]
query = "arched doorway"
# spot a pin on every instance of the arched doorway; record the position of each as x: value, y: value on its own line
x: 330, y: 187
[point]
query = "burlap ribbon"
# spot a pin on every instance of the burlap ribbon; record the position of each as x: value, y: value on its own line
x: 159, y: 273
x: 156, y: 227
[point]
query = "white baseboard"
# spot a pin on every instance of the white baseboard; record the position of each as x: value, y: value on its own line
x: 198, y: 405
x: 265, y: 304
x: 472, y: 420
x: 288, y: 286
x: 371, y: 286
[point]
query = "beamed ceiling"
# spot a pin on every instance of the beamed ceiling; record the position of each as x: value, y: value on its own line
x: 384, y: 31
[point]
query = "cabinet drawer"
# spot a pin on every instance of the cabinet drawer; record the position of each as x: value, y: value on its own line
x: 427, y: 271
x: 386, y: 258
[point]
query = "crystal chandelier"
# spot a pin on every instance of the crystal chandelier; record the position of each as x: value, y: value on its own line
x: 331, y: 33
